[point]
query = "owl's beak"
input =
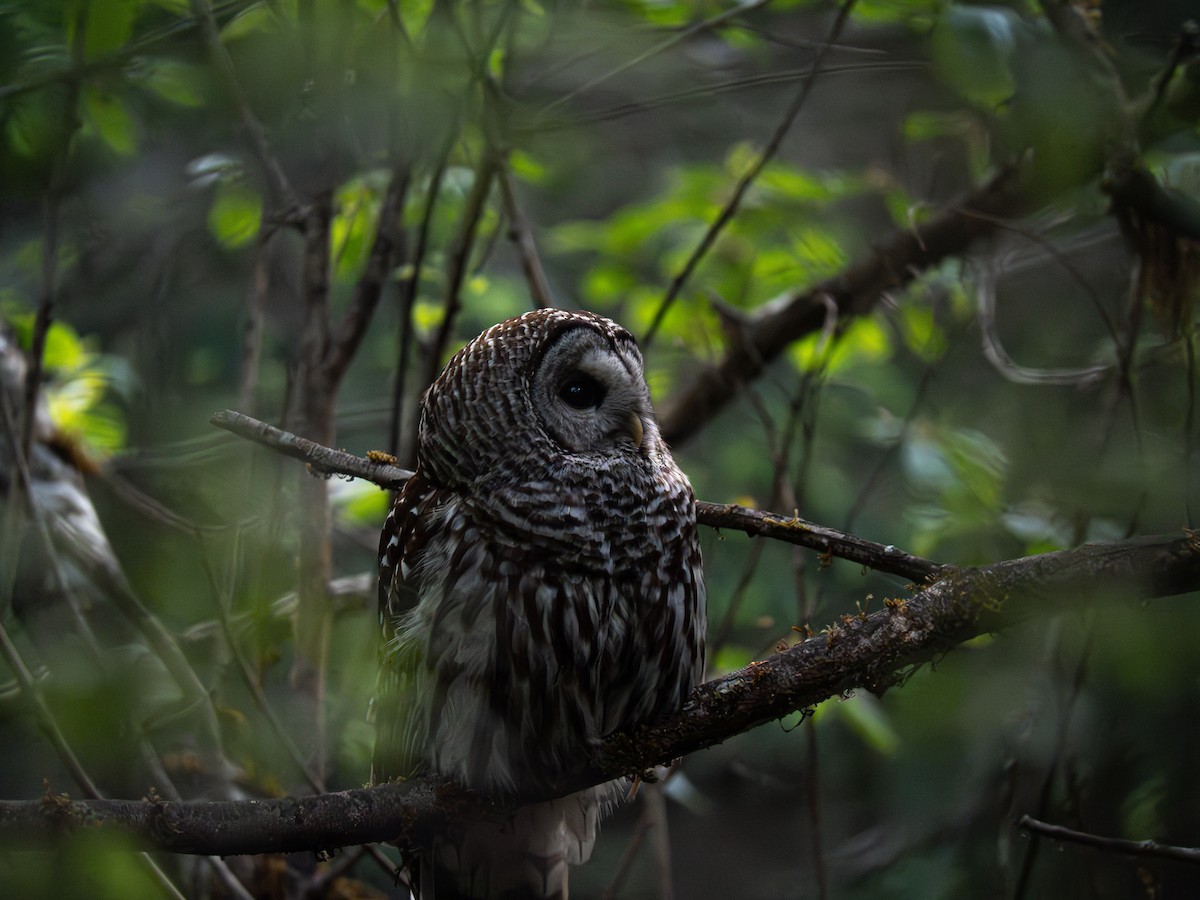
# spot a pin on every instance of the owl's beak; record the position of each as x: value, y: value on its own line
x: 637, y: 431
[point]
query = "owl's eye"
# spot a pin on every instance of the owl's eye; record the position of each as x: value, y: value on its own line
x: 581, y: 391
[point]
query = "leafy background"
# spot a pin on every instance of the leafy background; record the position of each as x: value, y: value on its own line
x: 1030, y: 394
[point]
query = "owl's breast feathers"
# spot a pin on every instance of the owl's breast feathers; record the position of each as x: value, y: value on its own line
x: 547, y: 618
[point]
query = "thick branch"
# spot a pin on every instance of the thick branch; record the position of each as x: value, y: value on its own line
x: 872, y: 652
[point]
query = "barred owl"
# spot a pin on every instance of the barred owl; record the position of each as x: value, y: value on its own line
x: 540, y: 587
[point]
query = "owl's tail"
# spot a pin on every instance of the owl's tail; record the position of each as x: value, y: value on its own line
x: 526, y: 856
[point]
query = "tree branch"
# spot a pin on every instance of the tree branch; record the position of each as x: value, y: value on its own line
x: 855, y: 291
x: 872, y: 652
x: 385, y: 249
x: 1112, y: 845
x: 378, y: 469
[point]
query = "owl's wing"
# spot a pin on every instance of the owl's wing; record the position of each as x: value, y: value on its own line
x: 397, y: 710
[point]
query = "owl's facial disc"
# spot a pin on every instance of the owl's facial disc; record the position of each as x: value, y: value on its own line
x: 590, y: 396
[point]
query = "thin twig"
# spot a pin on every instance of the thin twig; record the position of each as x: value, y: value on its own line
x: 522, y: 236
x: 458, y: 256
x: 50, y: 214
x: 411, y: 289
x: 387, y: 246
x: 708, y: 91
x: 729, y: 210
x: 256, y: 133
x: 323, y: 460
x: 757, y: 523
x: 661, y: 46
x: 1055, y: 765
x: 1111, y: 845
x: 256, y: 306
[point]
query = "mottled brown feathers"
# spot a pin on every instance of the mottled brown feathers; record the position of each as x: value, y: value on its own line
x: 539, y: 587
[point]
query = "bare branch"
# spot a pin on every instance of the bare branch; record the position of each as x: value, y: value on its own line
x: 458, y: 256
x: 754, y: 522
x: 855, y: 291
x: 256, y: 134
x: 385, y: 249
x: 794, y: 530
x: 1112, y: 845
x: 411, y: 287
x: 521, y: 235
x: 322, y: 459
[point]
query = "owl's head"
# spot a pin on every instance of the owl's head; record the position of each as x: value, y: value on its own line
x: 550, y: 384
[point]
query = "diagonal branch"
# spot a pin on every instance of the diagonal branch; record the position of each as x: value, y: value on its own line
x: 873, y: 652
x: 256, y: 134
x: 385, y: 249
x: 855, y: 291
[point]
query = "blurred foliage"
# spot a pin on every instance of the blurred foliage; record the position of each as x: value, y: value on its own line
x: 139, y: 158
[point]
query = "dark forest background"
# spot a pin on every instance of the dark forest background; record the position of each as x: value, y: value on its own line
x: 923, y: 271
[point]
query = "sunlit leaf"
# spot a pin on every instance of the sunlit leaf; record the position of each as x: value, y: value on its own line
x: 864, y: 715
x: 109, y: 25
x: 235, y: 214
x: 922, y: 334
x: 428, y: 315
x: 256, y: 17
x: 111, y: 121
x: 359, y: 503
x: 526, y: 167
x: 64, y: 349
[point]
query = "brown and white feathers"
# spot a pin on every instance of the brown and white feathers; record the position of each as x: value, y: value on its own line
x: 540, y: 587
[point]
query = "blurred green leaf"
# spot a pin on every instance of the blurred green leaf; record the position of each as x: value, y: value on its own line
x: 109, y: 25
x: 359, y: 503
x: 865, y: 716
x: 235, y: 214
x: 864, y: 342
x: 922, y: 334
x: 177, y: 82
x: 255, y: 18
x: 973, y: 48
x: 917, y: 14
x: 110, y: 119
x: 527, y: 168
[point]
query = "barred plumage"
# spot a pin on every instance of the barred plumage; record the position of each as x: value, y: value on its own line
x: 540, y: 587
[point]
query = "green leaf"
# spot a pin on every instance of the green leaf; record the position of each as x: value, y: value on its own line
x: 864, y: 715
x: 358, y: 503
x: 111, y: 121
x: 973, y: 48
x: 526, y: 168
x: 176, y: 82
x: 109, y: 25
x: 918, y: 14
x: 353, y: 226
x: 922, y: 334
x: 235, y: 215
x: 258, y: 17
